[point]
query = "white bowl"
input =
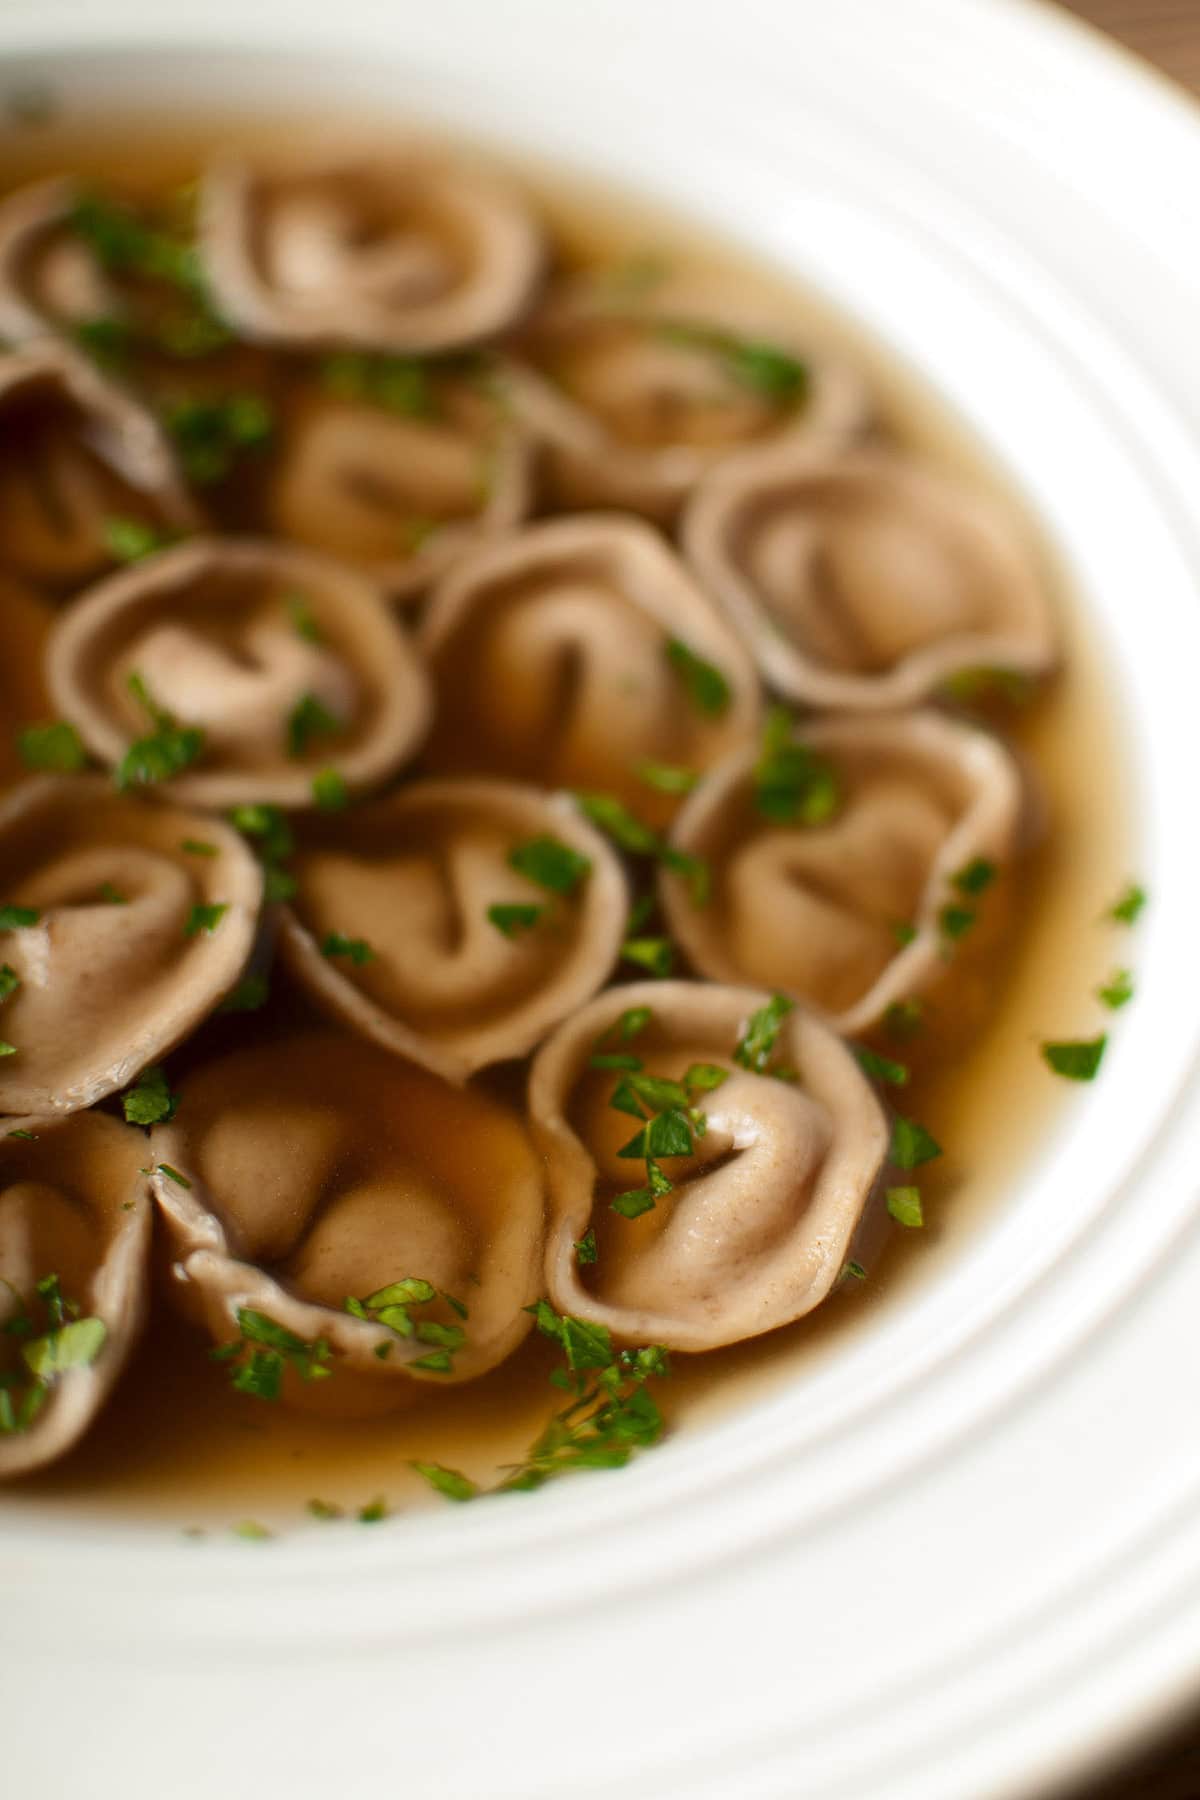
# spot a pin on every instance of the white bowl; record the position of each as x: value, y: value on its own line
x: 962, y: 1556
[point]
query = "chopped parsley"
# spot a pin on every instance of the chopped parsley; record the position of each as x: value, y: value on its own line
x: 904, y: 1205
x: 976, y: 876
x: 793, y: 784
x: 252, y: 1531
x: 10, y: 981
x: 112, y: 896
x: 174, y: 1175
x: 250, y: 995
x: 373, y: 1512
x: 756, y: 1046
x: 150, y: 1100
x: 309, y: 719
x: 1117, y: 991
x: 261, y: 1355
x: 356, y: 950
x: 904, y: 1018
x: 707, y: 688
x: 881, y: 1068
x: 654, y: 954
x: 304, y: 622
x: 132, y: 540
x: 772, y: 373
x: 853, y: 1271
x: 39, y: 1342
x: 449, y: 1482
x: 205, y: 918
x: 55, y: 746
x: 398, y: 384
x: 7, y: 1049
x: 632, y: 834
x: 196, y: 847
x: 666, y: 1134
x: 324, y: 1510
x: 392, y: 1307
x: 329, y: 791
x: 585, y: 1248
x: 550, y: 864
x: 954, y: 922
x: 1077, y: 1060
x: 212, y: 435
x: 512, y: 920
x: 912, y: 1145
x: 904, y: 933
x: 666, y: 778
x: 636, y: 1201
x: 1128, y: 907
x: 17, y: 918
x: 631, y: 1024
x: 169, y: 749
x: 274, y: 842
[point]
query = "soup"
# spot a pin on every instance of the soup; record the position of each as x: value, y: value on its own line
x: 543, y: 824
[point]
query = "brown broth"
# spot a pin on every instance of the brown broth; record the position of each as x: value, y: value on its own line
x: 178, y: 1447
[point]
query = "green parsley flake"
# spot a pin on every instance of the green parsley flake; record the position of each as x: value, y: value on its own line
x: 324, y: 1510
x: 212, y: 435
x: 904, y: 1018
x: 756, y: 1046
x: 654, y: 954
x: 1077, y: 1060
x: 7, y: 1049
x: 171, y: 1174
x: 703, y: 1078
x: 251, y: 1531
x: 954, y: 922
x: 912, y: 1145
x: 112, y: 896
x: 55, y: 746
x: 18, y: 918
x: 614, y: 1059
x: 904, y: 1205
x: 1129, y: 906
x: 205, y: 918
x: 667, y: 1134
x: 635, y: 1202
x: 196, y: 847
x: 259, y: 1358
x: 512, y: 920
x: 904, y: 933
x: 250, y: 995
x: 976, y: 876
x: 75, y: 1345
x: 853, y: 1271
x: 624, y: 827
x: 793, y: 784
x: 707, y: 688
x: 399, y: 384
x: 356, y: 950
x: 309, y: 719
x: 10, y: 981
x: 29, y: 1137
x: 150, y: 1101
x: 881, y: 1068
x: 550, y: 864
x: 329, y: 791
x: 631, y: 1024
x: 303, y: 622
x: 449, y: 1482
x: 585, y: 1248
x: 1116, y: 992
x: 132, y: 540
x: 373, y: 1512
x: 666, y: 778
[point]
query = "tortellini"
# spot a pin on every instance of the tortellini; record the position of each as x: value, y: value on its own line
x: 77, y: 455
x: 400, y: 466
x: 75, y: 1219
x: 856, y: 906
x: 413, y: 253
x: 454, y: 922
x: 868, y: 580
x: 637, y: 396
x: 276, y: 664
x: 572, y: 652
x: 329, y: 1170
x: 748, y: 1230
x: 121, y: 927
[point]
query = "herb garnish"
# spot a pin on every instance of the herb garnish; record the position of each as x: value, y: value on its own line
x: 666, y: 778
x: 550, y: 864
x: 357, y: 950
x: 881, y: 1068
x: 250, y: 995
x: 261, y: 1355
x: 1117, y: 991
x: 391, y: 1306
x: 196, y: 847
x: 793, y: 784
x: 329, y: 791
x: 150, y: 1100
x: 912, y: 1145
x: 212, y: 435
x: 512, y: 920
x: 112, y: 896
x: 769, y: 371
x: 976, y: 876
x: 904, y: 1018
x: 450, y: 1482
x: 756, y: 1046
x: 904, y: 1205
x: 173, y: 1175
x: 309, y: 718
x: 55, y: 746
x: 1129, y: 906
x: 632, y: 834
x: 274, y: 842
x: 398, y: 384
x: 10, y: 981
x: 1078, y: 1060
x: 205, y: 918
x: 324, y: 1509
x: 303, y: 620
x: 17, y: 918
x: 132, y: 540
x: 585, y: 1248
x: 707, y: 688
x: 169, y: 750
x: 42, y: 1349
x: 654, y: 954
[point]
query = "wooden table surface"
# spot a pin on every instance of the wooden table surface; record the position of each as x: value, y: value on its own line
x: 1167, y: 33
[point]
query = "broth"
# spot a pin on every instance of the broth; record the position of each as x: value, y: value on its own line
x: 178, y: 1446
